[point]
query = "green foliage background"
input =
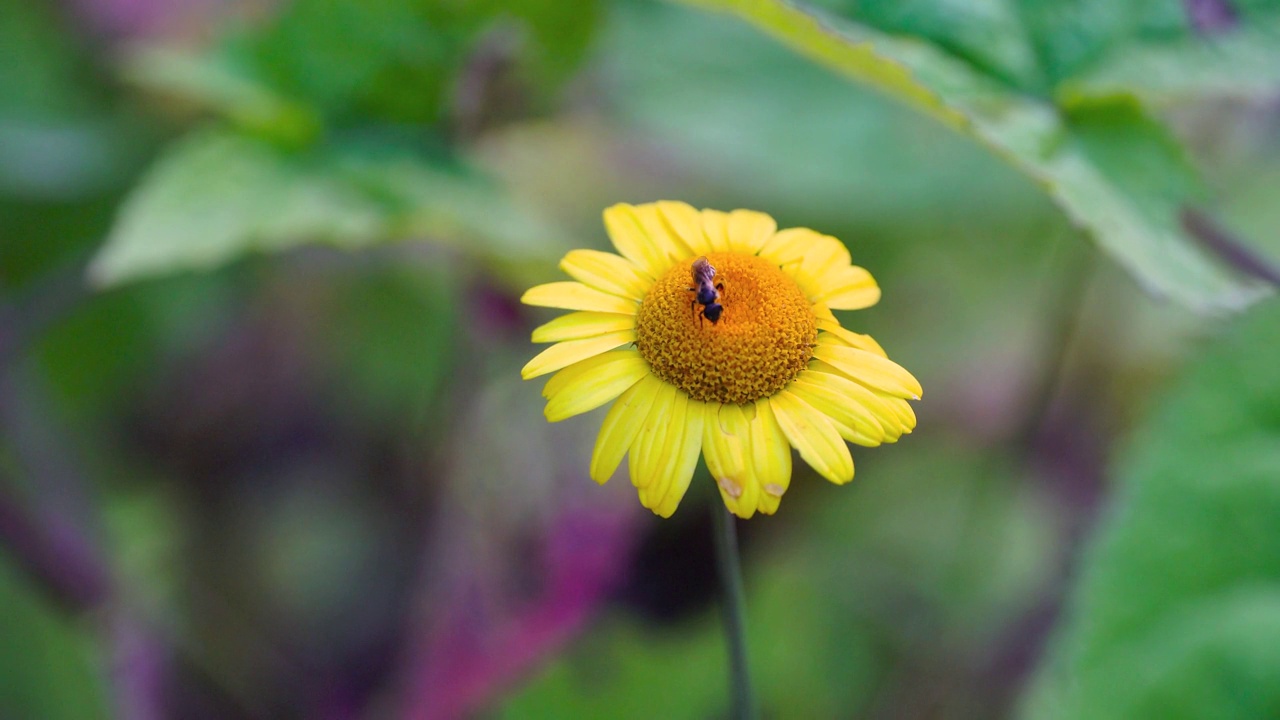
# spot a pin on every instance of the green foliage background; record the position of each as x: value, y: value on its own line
x: 259, y: 351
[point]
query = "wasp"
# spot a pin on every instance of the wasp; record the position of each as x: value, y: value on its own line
x: 707, y: 290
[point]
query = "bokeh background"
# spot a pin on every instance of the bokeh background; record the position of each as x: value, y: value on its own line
x: 265, y: 452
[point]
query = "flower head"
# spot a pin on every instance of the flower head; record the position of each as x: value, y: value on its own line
x: 712, y: 334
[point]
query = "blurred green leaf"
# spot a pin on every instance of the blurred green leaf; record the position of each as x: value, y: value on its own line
x: 860, y: 166
x: 58, y: 160
x: 1127, y: 216
x: 1250, y: 205
x: 319, y: 163
x: 454, y: 205
x: 386, y: 59
x: 217, y: 195
x: 58, y: 141
x: 389, y: 337
x: 220, y: 83
x: 403, y: 60
x: 1243, y: 62
x: 988, y: 34
x: 37, y: 238
x: 1069, y: 35
x: 41, y: 72
x: 115, y: 342
x: 1092, y: 47
x: 955, y: 529
x: 1177, y: 612
x: 48, y: 667
x: 146, y: 526
x: 905, y: 69
x: 561, y: 31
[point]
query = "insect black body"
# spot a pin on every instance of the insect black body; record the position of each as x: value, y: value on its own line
x: 707, y: 291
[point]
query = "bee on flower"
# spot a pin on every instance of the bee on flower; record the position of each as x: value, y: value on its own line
x: 707, y: 291
x: 773, y: 371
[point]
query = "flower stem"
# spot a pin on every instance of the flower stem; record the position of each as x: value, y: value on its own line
x: 730, y: 569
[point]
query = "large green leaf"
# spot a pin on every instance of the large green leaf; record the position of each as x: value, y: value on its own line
x: 989, y: 34
x: 1243, y: 62
x: 1177, y: 611
x: 1070, y: 35
x: 1129, y: 213
x: 217, y: 195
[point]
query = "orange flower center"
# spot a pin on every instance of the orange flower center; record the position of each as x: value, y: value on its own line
x: 764, y: 336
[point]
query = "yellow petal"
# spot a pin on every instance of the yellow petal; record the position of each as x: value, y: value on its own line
x: 576, y: 296
x: 561, y: 379
x: 667, y: 439
x: 850, y: 338
x: 786, y: 247
x: 600, y: 380
x: 683, y: 446
x: 824, y: 255
x: 814, y: 436
x: 564, y: 354
x: 685, y: 225
x: 580, y: 325
x: 646, y: 451
x: 690, y: 451
x: 869, y: 369
x: 632, y: 240
x: 802, y: 247
x: 905, y: 414
x: 770, y: 456
x: 817, y: 279
x: 853, y: 421
x: 715, y: 226
x: 659, y: 231
x: 808, y: 256
x: 621, y: 427
x: 822, y: 312
x: 877, y: 404
x: 750, y: 230
x: 726, y: 443
x: 607, y: 272
x: 848, y: 287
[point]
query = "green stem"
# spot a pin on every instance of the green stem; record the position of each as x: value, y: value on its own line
x: 735, y: 626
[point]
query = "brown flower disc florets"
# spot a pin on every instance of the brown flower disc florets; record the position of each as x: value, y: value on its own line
x: 764, y: 337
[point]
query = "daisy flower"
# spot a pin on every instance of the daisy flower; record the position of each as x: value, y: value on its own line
x: 712, y: 335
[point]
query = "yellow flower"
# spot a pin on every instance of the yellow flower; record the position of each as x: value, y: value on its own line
x: 773, y: 370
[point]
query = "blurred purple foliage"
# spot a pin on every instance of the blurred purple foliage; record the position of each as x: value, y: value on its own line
x: 142, y: 19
